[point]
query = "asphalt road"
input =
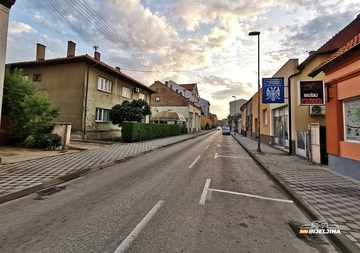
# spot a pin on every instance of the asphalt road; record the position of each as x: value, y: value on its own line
x: 202, y: 195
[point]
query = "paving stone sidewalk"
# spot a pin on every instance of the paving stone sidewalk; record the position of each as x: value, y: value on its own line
x: 332, y: 195
x: 21, y: 178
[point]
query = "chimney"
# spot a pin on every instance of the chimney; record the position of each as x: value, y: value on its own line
x: 71, y: 49
x: 166, y: 83
x: 97, y: 55
x: 311, y: 52
x: 40, y: 52
x: 118, y: 69
x: 170, y: 86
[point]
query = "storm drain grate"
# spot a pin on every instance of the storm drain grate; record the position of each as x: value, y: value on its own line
x: 306, y: 237
x: 50, y: 191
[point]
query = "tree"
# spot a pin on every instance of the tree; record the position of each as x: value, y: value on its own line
x: 30, y: 113
x: 135, y: 110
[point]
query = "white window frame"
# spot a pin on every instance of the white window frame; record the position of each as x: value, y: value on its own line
x: 126, y: 92
x: 104, y: 85
x: 102, y: 115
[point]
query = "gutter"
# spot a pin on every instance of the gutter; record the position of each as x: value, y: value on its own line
x: 300, y: 68
x: 86, y: 98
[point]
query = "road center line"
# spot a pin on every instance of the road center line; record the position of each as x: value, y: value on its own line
x: 207, y: 146
x: 205, y: 192
x: 132, y: 236
x: 252, y: 196
x: 194, y: 162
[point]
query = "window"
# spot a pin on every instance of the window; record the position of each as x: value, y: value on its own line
x: 26, y: 77
x: 104, y: 85
x: 142, y: 96
x: 37, y: 77
x: 102, y: 115
x: 265, y: 117
x: 126, y: 92
x: 157, y: 99
x: 352, y: 119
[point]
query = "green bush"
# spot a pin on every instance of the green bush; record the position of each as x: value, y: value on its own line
x: 135, y: 131
x: 43, y: 141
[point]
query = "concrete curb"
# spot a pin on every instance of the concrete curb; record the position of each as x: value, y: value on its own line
x: 21, y: 193
x: 340, y: 241
x: 79, y: 173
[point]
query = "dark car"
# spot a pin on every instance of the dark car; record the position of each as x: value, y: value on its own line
x: 226, y: 131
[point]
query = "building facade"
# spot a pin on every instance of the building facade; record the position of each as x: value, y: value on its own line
x: 84, y: 89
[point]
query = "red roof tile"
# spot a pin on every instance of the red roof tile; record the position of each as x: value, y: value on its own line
x: 349, y: 46
x: 189, y: 86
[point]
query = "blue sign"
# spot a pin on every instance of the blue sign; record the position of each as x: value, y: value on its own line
x: 273, y: 90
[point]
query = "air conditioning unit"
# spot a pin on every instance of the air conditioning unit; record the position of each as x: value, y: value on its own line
x: 317, y: 110
x: 137, y: 90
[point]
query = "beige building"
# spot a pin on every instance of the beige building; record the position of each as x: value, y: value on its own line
x: 5, y: 6
x: 85, y: 89
x: 167, y: 99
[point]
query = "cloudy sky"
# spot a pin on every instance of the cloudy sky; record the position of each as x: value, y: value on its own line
x: 187, y: 41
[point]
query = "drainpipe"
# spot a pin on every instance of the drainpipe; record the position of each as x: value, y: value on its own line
x: 86, y: 98
x: 289, y: 106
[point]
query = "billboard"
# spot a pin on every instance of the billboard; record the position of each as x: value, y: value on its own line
x: 311, y: 92
x: 273, y: 90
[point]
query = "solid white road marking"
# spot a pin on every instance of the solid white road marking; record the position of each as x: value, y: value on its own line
x: 212, y: 140
x: 207, y: 146
x: 252, y: 196
x: 205, y: 192
x: 218, y: 145
x: 132, y: 236
x: 216, y: 156
x: 240, y: 157
x: 194, y: 162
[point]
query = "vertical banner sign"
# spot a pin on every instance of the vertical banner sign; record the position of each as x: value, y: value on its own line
x: 311, y: 92
x: 273, y: 90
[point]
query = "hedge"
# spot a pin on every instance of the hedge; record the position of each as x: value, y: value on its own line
x: 136, y: 131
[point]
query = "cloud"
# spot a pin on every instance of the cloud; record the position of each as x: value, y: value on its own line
x: 18, y: 27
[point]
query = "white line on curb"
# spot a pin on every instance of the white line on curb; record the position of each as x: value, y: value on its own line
x: 194, y: 162
x: 240, y: 157
x: 204, y: 193
x: 252, y: 196
x: 132, y: 236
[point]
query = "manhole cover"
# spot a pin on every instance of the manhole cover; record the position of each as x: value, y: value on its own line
x: 306, y: 237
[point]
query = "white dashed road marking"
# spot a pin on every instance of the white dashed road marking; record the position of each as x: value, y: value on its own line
x: 132, y: 236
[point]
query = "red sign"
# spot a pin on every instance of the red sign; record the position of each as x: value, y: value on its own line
x: 311, y: 93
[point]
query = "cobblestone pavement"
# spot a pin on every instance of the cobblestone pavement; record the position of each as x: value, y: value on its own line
x: 332, y: 195
x: 18, y: 176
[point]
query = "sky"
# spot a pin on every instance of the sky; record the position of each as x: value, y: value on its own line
x: 187, y: 41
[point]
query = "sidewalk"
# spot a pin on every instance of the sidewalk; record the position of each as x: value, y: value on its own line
x: 28, y: 176
x: 322, y: 193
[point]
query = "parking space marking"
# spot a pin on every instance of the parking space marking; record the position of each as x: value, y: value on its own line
x: 208, y: 190
x: 197, y: 158
x: 132, y: 236
x: 205, y: 192
x: 252, y: 196
x: 238, y: 157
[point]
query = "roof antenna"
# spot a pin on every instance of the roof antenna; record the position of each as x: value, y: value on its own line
x: 95, y: 48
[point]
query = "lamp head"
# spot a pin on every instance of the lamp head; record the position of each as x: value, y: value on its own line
x: 254, y: 33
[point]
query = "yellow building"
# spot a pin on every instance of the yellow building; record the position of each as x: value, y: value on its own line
x: 84, y: 89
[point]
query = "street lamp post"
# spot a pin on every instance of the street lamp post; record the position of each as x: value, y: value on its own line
x: 258, y: 120
x: 234, y: 115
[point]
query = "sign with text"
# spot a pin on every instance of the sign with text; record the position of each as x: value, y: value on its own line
x: 311, y: 92
x: 273, y: 90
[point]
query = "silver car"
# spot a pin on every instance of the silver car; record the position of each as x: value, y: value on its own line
x: 226, y: 131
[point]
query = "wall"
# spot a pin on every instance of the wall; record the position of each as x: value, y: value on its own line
x: 66, y: 93
x: 64, y: 130
x: 4, y: 22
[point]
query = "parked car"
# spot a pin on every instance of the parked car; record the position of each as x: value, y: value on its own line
x: 226, y: 131
x: 218, y: 128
